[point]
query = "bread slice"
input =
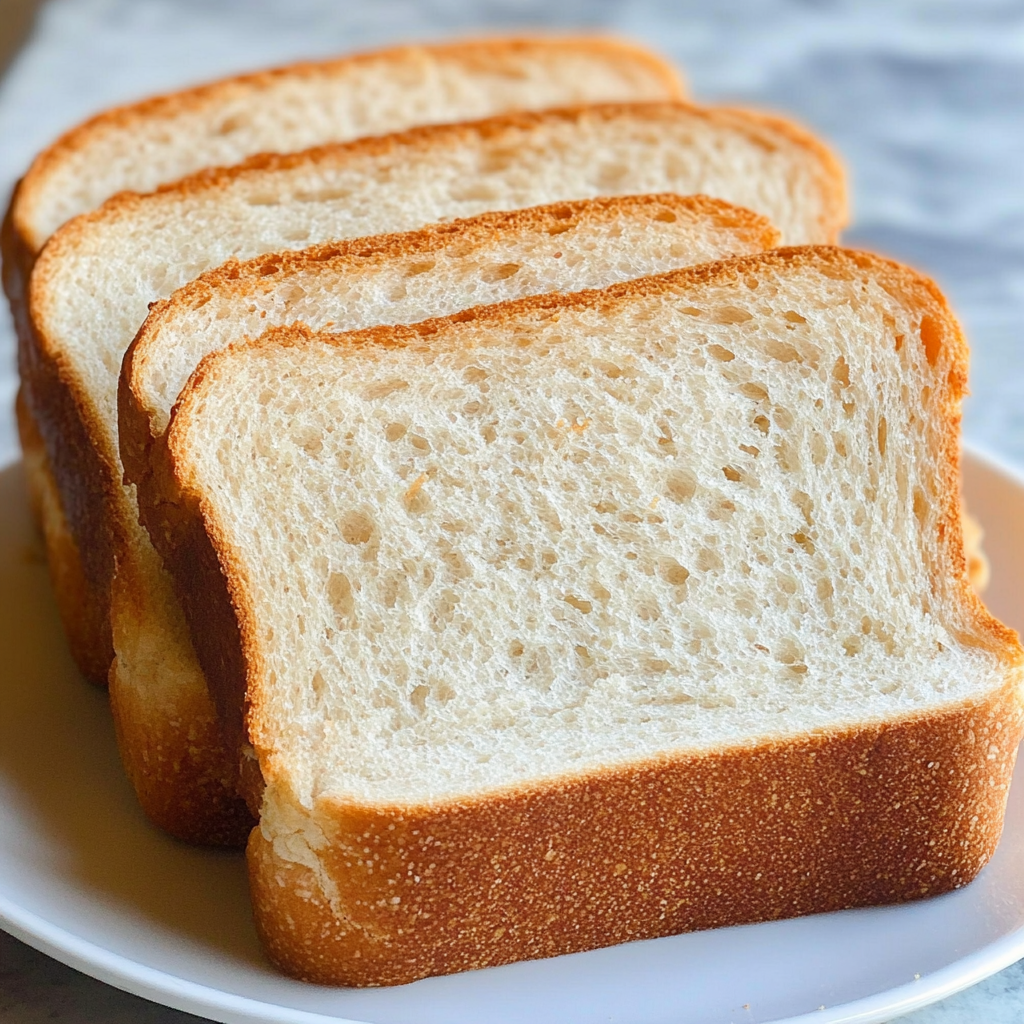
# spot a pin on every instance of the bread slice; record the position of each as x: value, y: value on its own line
x: 87, y: 305
x: 167, y: 723
x: 597, y: 617
x: 141, y: 146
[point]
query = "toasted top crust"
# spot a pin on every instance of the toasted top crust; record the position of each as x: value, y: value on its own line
x: 936, y: 362
x: 306, y: 104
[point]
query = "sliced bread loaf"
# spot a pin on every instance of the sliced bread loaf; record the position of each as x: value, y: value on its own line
x: 168, y: 730
x: 93, y: 283
x: 141, y: 146
x: 597, y: 617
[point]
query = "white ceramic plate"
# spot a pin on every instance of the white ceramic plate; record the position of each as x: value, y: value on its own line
x: 84, y: 878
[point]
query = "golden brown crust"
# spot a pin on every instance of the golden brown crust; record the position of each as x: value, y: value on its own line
x: 84, y: 472
x: 143, y: 454
x: 880, y: 814
x: 170, y: 742
x: 81, y: 616
x: 483, y: 53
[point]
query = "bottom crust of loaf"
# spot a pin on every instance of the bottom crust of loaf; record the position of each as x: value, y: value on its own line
x: 168, y: 731
x: 879, y: 814
x: 82, y: 616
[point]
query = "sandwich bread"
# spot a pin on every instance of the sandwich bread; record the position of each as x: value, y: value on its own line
x: 596, y: 617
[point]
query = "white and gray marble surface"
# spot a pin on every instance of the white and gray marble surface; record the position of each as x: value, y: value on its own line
x: 924, y: 98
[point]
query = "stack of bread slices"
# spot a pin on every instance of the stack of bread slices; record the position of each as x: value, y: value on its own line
x: 493, y: 498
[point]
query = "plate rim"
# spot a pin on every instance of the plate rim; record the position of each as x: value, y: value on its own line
x: 204, y: 1000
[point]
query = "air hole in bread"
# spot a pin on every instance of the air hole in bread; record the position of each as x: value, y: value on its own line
x: 731, y: 315
x: 804, y: 502
x: 501, y: 272
x: 475, y: 191
x: 757, y: 392
x: 264, y: 199
x: 420, y: 267
x: 789, y: 652
x: 931, y: 338
x: 722, y: 354
x: 721, y: 510
x: 794, y: 317
x: 341, y: 599
x: 231, y: 124
x: 819, y: 449
x: 415, y: 499
x: 356, y: 528
x: 804, y: 541
x: 672, y: 572
x: 787, y: 456
x: 381, y: 389
x: 709, y: 560
x: 680, y: 486
x: 783, y: 352
x: 322, y: 195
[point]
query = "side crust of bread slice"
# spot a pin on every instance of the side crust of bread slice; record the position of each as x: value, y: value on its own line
x: 353, y: 890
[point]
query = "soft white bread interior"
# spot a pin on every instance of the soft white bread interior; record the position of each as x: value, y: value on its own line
x: 145, y: 144
x: 167, y: 724
x: 530, y: 574
x: 141, y: 146
x: 92, y: 285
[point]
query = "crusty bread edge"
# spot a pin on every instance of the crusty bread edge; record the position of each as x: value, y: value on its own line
x: 881, y: 812
x: 171, y: 746
x: 80, y: 616
x: 171, y: 104
x: 884, y: 813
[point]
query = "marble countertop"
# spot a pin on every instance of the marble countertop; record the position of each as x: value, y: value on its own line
x: 924, y: 98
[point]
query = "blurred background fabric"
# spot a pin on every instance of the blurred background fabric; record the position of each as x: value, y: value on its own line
x: 923, y: 98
